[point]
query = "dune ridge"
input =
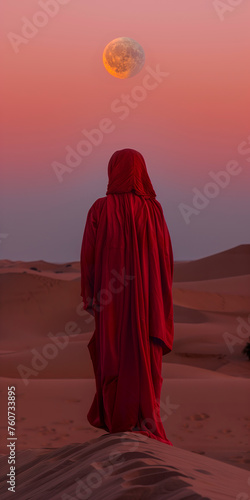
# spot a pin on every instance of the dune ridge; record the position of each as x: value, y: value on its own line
x: 123, y: 466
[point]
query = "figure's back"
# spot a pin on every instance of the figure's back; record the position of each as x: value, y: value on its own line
x: 133, y: 254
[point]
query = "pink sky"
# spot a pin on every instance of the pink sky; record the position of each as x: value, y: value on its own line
x: 55, y: 85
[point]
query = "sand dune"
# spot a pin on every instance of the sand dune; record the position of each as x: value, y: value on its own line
x: 233, y: 262
x: 123, y: 466
x: 225, y: 295
x: 68, y: 357
x: 239, y: 284
x: 39, y: 265
x: 211, y: 301
x: 204, y: 404
x: 206, y: 413
x: 40, y: 305
x: 43, y: 304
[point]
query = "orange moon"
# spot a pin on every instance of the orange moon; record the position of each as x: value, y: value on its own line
x: 123, y: 57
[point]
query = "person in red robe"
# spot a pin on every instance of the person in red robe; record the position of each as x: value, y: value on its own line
x: 126, y: 284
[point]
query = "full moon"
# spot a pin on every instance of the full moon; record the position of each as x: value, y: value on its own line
x: 123, y: 57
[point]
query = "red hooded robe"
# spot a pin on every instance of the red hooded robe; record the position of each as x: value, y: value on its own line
x: 126, y: 283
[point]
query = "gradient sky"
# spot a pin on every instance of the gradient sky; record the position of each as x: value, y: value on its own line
x: 192, y: 123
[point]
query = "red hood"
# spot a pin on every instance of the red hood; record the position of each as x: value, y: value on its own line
x: 127, y: 172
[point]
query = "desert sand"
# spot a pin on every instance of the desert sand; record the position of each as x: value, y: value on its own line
x: 121, y: 466
x: 205, y: 404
